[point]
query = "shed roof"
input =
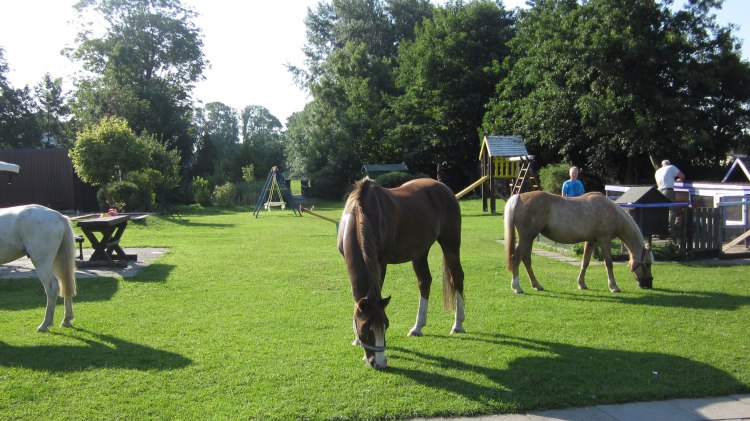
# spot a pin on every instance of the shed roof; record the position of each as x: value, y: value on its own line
x: 383, y: 168
x: 641, y: 195
x: 8, y: 167
x: 503, y: 146
x: 738, y: 162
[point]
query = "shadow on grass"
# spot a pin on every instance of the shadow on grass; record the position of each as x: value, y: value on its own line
x: 24, y: 294
x: 154, y: 273
x: 96, y: 351
x: 660, y: 297
x: 562, y: 375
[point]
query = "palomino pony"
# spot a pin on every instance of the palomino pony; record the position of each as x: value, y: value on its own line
x: 381, y: 226
x: 47, y: 238
x: 592, y: 218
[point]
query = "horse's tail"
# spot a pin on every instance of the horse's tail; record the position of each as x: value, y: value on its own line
x: 510, y: 231
x: 65, y: 265
x: 449, y: 288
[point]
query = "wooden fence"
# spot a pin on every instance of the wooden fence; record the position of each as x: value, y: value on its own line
x: 703, y: 237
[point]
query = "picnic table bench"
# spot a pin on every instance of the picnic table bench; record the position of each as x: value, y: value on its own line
x: 104, y: 234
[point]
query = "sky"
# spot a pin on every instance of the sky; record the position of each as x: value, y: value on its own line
x: 247, y: 42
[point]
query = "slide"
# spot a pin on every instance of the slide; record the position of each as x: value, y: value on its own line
x: 473, y: 185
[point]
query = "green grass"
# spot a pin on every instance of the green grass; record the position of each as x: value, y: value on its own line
x: 250, y: 318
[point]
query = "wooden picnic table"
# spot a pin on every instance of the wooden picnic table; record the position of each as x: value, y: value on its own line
x: 104, y: 234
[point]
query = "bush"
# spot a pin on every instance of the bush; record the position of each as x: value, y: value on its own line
x: 121, y: 195
x: 552, y: 177
x: 146, y: 181
x: 225, y: 195
x: 396, y: 178
x: 201, y: 193
x: 327, y: 183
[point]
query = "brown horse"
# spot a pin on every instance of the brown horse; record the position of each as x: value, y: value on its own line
x: 381, y: 226
x: 592, y: 218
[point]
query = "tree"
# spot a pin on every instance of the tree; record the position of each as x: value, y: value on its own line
x: 53, y: 113
x: 18, y: 126
x: 351, y: 52
x: 220, y: 122
x: 262, y: 139
x: 448, y: 73
x: 142, y: 68
x: 615, y: 85
x: 106, y: 151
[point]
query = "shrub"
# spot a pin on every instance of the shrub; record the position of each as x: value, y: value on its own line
x: 201, y: 193
x: 552, y: 177
x: 122, y: 195
x: 225, y: 195
x: 396, y: 178
x: 146, y: 181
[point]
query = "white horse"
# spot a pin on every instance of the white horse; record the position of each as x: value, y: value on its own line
x: 47, y: 238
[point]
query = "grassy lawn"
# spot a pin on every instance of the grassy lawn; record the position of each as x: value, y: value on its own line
x: 250, y: 318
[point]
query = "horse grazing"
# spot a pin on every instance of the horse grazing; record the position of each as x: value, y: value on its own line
x: 47, y: 238
x: 592, y: 218
x: 381, y: 226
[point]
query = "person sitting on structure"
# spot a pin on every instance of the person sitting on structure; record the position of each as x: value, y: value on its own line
x: 573, y: 187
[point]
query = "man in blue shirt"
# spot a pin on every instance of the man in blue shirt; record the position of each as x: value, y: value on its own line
x: 573, y: 187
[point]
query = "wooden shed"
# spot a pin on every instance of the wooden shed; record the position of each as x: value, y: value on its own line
x: 46, y: 177
x: 375, y: 170
x: 501, y: 158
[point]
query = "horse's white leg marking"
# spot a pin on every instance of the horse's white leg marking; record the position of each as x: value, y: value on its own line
x: 421, y: 318
x: 458, y: 323
x: 515, y: 284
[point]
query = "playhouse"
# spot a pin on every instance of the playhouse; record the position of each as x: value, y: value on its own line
x: 506, y: 168
x: 717, y: 212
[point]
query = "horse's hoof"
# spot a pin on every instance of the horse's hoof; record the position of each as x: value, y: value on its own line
x: 582, y: 287
x: 539, y: 288
x: 518, y: 291
x: 66, y: 323
x: 42, y: 328
x: 457, y: 330
x: 615, y: 289
x: 415, y: 332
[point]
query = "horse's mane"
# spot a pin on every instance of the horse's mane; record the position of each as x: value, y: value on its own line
x: 363, y: 202
x: 631, y: 226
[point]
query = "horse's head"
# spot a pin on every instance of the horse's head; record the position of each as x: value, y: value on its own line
x: 641, y: 267
x: 370, y: 324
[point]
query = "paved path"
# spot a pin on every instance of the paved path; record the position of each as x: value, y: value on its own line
x: 735, y: 407
x: 22, y: 268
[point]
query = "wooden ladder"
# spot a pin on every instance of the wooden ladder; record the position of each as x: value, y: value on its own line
x: 525, y: 175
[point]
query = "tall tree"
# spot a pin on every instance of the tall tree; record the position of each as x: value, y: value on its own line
x: 220, y: 122
x: 142, y: 68
x: 18, y: 126
x: 613, y: 85
x: 351, y: 53
x: 262, y: 138
x: 54, y: 112
x: 448, y: 73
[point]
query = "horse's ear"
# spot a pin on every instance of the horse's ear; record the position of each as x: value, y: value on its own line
x: 384, y: 301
